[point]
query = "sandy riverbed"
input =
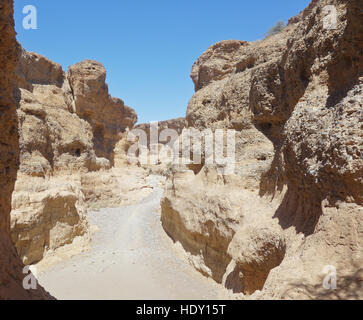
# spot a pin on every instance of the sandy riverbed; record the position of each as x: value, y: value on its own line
x: 131, y: 258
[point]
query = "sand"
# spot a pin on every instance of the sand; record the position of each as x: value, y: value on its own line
x: 131, y: 257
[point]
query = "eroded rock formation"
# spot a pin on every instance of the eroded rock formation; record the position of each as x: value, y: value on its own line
x: 11, y: 267
x: 294, y: 204
x: 108, y: 116
x: 68, y: 127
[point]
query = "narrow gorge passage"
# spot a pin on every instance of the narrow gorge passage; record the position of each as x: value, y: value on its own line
x: 131, y: 258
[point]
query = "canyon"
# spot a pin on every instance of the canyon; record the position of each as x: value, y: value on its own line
x: 71, y: 200
x: 294, y: 204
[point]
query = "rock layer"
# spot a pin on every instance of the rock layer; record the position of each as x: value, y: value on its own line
x: 68, y: 130
x: 294, y: 204
x: 11, y: 267
x: 108, y: 116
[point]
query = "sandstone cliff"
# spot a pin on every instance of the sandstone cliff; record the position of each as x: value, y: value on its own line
x: 11, y: 268
x: 68, y: 130
x: 294, y: 204
x: 108, y: 116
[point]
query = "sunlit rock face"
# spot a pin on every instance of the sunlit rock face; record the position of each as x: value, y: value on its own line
x: 294, y: 203
x: 68, y: 129
x: 108, y: 116
x: 11, y: 267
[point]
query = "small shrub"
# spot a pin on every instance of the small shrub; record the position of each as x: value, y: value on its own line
x: 277, y: 28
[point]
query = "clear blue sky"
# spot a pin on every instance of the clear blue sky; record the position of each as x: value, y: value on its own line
x: 148, y: 47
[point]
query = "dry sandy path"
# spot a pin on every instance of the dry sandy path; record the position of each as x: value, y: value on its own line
x: 131, y: 258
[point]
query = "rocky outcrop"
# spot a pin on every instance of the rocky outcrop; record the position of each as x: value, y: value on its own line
x: 108, y: 116
x: 46, y: 215
x: 294, y: 203
x: 257, y: 248
x: 11, y: 267
x: 52, y: 137
x: 68, y: 128
x: 232, y: 56
x: 119, y: 186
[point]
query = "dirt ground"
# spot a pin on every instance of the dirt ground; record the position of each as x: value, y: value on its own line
x: 131, y: 257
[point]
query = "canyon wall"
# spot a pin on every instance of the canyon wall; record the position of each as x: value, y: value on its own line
x: 11, y: 267
x: 69, y: 127
x: 293, y: 206
x: 108, y: 116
